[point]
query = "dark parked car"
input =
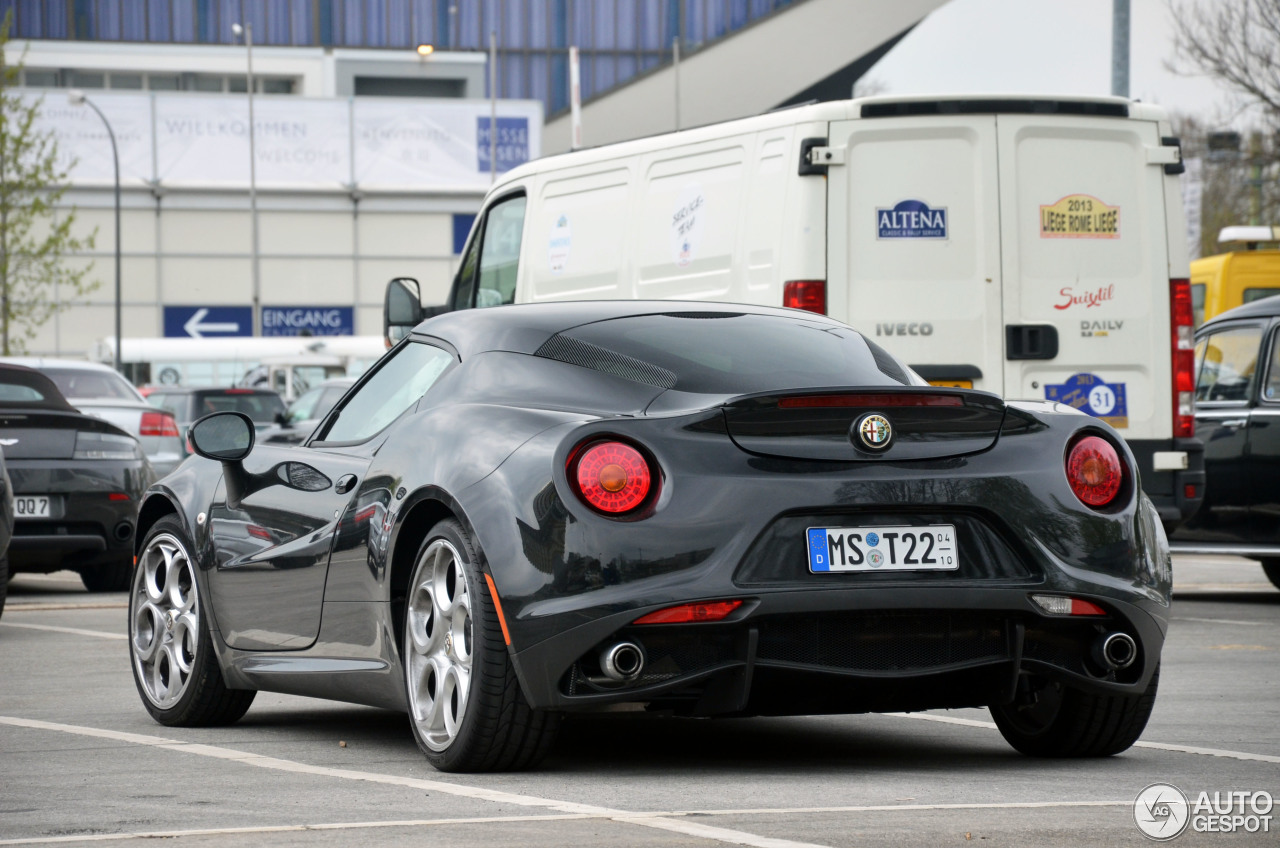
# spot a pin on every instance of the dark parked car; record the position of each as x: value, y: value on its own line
x: 77, y: 482
x: 6, y: 528
x: 709, y: 509
x: 1238, y: 418
x: 261, y: 405
x: 307, y: 412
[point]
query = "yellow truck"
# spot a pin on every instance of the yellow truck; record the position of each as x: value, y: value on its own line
x: 1221, y: 282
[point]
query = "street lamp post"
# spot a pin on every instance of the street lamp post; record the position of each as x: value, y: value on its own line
x: 246, y: 30
x: 77, y: 98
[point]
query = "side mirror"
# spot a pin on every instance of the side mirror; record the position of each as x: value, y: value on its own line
x: 223, y: 436
x: 228, y: 438
x: 401, y: 308
x: 282, y: 418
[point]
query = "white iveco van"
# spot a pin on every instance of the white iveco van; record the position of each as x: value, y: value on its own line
x: 1034, y: 248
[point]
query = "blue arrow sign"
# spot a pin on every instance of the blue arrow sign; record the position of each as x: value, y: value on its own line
x: 199, y: 322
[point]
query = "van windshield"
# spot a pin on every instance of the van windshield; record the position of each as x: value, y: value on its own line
x: 730, y: 352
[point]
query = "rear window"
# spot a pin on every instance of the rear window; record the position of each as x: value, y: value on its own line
x: 261, y: 408
x: 729, y: 352
x: 74, y: 383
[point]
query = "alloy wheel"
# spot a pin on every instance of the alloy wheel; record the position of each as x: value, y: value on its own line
x: 164, y: 628
x: 440, y: 637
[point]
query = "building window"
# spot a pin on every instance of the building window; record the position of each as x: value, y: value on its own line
x: 125, y: 81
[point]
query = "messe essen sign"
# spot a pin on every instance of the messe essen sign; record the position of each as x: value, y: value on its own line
x: 202, y: 141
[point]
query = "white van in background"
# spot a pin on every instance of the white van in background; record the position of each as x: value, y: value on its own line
x: 1034, y: 248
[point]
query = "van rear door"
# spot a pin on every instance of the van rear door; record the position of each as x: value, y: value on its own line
x: 918, y: 269
x: 1086, y: 267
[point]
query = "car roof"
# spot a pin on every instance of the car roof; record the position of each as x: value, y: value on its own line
x: 42, y: 362
x: 523, y: 328
x: 1267, y: 307
x: 20, y: 375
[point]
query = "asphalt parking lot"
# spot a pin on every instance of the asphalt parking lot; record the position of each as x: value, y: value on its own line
x: 81, y: 762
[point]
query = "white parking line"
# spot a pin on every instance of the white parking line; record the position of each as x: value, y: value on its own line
x: 75, y: 631
x: 688, y: 828
x: 633, y: 818
x: 1159, y: 746
x: 18, y: 607
x: 1224, y: 621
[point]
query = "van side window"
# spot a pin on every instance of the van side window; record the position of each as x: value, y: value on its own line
x: 465, y: 289
x: 1228, y: 364
x: 500, y: 254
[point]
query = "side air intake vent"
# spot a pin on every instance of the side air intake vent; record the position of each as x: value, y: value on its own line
x: 587, y: 355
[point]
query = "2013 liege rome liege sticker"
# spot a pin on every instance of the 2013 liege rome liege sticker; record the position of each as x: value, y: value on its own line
x: 1079, y: 216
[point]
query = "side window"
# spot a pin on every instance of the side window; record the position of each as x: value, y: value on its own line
x: 500, y: 254
x: 1228, y: 364
x: 1272, y: 390
x: 393, y: 388
x: 465, y: 290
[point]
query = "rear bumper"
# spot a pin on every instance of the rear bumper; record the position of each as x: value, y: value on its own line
x: 814, y: 652
x: 85, y: 527
x: 1176, y: 493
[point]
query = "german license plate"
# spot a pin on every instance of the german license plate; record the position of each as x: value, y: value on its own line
x: 31, y: 506
x: 931, y: 548
x: 952, y: 384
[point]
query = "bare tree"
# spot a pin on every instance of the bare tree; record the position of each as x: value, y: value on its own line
x: 1236, y: 42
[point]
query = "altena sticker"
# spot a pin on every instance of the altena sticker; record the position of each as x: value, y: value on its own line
x: 1080, y: 216
x: 558, y: 244
x: 686, y: 225
x: 911, y: 219
x: 1094, y: 396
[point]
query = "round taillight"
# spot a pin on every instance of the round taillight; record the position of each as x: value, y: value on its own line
x: 1094, y: 471
x: 612, y: 477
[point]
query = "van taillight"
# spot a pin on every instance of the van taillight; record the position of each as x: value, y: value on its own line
x: 805, y: 294
x: 1184, y: 358
x: 158, y: 424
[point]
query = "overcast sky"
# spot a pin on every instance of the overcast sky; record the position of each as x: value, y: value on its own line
x: 1044, y: 47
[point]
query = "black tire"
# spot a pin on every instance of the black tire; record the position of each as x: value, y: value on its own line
x: 1065, y: 722
x: 110, y: 577
x: 1271, y: 568
x: 4, y: 581
x: 497, y: 730
x: 161, y: 639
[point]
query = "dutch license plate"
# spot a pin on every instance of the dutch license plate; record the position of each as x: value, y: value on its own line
x: 931, y: 548
x: 31, y: 506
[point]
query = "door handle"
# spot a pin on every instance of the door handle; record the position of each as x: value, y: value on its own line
x: 1234, y: 423
x: 345, y: 483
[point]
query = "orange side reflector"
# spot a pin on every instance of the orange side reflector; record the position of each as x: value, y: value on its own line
x: 497, y: 606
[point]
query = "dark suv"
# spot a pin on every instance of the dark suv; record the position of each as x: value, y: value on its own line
x: 1238, y: 418
x: 189, y: 405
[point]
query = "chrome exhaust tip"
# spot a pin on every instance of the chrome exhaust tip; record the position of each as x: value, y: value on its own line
x: 622, y: 662
x: 1115, y: 651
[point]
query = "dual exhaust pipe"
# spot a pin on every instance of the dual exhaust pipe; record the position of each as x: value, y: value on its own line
x: 1114, y: 651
